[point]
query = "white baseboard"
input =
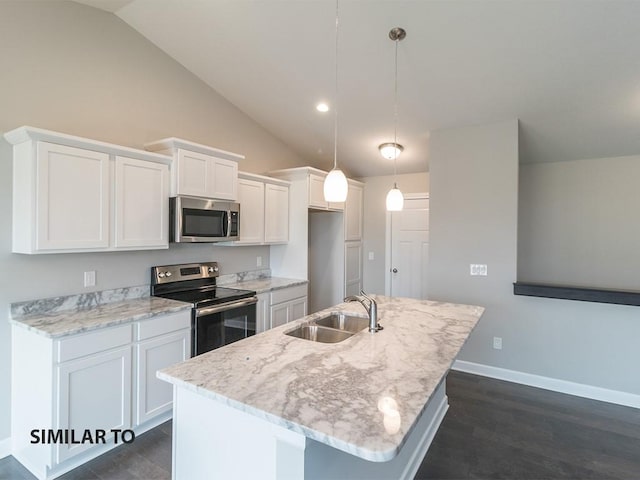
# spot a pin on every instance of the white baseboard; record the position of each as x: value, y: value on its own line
x: 547, y: 383
x: 5, y: 447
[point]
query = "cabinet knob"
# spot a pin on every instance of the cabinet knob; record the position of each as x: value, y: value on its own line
x: 395, y: 270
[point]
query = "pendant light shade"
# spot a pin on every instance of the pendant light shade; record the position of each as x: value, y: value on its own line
x: 335, y: 184
x: 395, y: 200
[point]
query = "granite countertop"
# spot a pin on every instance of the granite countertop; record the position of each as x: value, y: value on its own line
x: 58, y: 323
x: 332, y: 392
x: 268, y: 284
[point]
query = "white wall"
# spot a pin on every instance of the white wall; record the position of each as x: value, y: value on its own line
x: 74, y: 69
x: 375, y: 217
x: 473, y: 208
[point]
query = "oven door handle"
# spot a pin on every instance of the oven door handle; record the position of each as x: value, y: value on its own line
x: 226, y: 306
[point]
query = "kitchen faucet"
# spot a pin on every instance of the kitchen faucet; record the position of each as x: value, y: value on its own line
x: 372, y: 309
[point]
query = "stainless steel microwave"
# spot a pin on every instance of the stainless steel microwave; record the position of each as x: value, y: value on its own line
x: 195, y: 219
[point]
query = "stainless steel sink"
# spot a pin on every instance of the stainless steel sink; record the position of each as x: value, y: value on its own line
x: 316, y: 333
x: 342, y: 321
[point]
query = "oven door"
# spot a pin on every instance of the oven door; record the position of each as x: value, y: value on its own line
x: 223, y: 324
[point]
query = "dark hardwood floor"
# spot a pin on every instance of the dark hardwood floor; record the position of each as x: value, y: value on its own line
x: 493, y: 430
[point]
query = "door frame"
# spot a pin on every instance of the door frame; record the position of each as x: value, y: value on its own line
x: 387, y: 240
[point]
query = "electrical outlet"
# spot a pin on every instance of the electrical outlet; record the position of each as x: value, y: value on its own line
x: 371, y: 256
x: 477, y: 270
x: 90, y: 278
x: 497, y: 343
x: 258, y: 261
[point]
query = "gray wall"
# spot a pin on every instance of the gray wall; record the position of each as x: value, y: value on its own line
x: 375, y: 217
x: 77, y: 70
x: 577, y: 223
x: 473, y: 208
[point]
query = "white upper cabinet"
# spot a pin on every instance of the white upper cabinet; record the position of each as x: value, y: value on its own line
x: 315, y: 186
x: 72, y: 199
x: 264, y: 210
x: 141, y: 203
x: 199, y: 170
x: 353, y: 212
x: 251, y: 199
x: 276, y: 213
x: 72, y: 194
x: 316, y: 191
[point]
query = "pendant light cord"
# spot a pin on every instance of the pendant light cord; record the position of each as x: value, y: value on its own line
x: 395, y: 113
x: 335, y: 106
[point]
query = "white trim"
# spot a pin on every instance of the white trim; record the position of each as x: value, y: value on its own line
x: 5, y: 447
x: 547, y: 383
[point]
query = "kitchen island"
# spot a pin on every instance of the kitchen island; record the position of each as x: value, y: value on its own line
x: 275, y: 406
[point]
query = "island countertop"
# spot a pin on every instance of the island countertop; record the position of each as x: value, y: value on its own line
x: 338, y: 393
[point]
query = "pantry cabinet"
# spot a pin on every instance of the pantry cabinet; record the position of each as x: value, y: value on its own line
x: 199, y: 170
x: 72, y: 194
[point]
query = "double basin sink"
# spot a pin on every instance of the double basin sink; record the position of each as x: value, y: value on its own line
x: 333, y: 328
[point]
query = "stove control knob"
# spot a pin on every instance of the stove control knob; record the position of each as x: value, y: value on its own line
x: 168, y: 274
x: 160, y: 274
x: 216, y: 269
x: 210, y: 269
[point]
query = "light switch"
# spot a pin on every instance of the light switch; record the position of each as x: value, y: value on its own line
x: 90, y: 278
x: 371, y: 256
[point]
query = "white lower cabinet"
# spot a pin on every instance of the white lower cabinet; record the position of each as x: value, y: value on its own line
x: 287, y: 304
x: 94, y: 393
x: 99, y: 381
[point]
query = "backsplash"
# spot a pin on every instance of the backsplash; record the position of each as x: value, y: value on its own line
x: 85, y: 301
x: 230, y: 278
x: 81, y: 301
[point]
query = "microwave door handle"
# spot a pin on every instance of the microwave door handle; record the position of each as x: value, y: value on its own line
x: 228, y: 232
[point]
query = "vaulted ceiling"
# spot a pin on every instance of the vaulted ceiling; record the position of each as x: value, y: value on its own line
x: 568, y: 70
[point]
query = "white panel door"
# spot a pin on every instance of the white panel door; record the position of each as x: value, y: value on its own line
x: 251, y: 198
x: 72, y: 198
x: 195, y: 174
x: 93, y: 393
x: 279, y: 314
x: 298, y: 308
x: 276, y: 214
x: 141, y: 204
x: 154, y: 396
x: 410, y: 249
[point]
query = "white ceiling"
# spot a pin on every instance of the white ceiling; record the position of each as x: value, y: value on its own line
x: 569, y: 70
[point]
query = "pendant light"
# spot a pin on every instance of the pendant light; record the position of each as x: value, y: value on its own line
x: 335, y: 183
x: 395, y: 200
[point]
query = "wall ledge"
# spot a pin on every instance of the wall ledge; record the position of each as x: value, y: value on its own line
x: 547, y: 383
x: 584, y: 294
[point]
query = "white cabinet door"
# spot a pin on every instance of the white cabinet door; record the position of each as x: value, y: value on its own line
x: 93, y: 393
x: 316, y: 191
x: 141, y: 204
x: 298, y: 308
x: 194, y: 174
x: 154, y: 396
x: 225, y: 179
x: 72, y: 198
x: 252, y: 218
x: 352, y: 268
x: 353, y: 213
x: 263, y: 319
x: 276, y: 213
x: 279, y: 314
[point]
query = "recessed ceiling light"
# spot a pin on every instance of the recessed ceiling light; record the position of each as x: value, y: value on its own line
x: 322, y: 107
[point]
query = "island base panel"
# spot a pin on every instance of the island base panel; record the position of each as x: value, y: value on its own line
x: 214, y: 440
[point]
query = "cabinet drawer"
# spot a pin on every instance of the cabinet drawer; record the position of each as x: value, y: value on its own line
x: 86, y: 344
x: 287, y: 294
x: 163, y: 324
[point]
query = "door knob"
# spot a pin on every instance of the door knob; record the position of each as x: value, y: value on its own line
x: 395, y: 270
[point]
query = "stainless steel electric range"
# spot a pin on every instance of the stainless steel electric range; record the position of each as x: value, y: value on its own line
x: 219, y: 315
